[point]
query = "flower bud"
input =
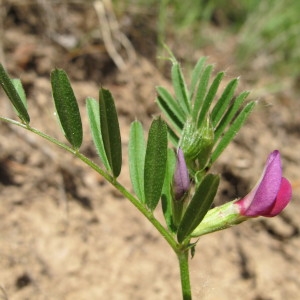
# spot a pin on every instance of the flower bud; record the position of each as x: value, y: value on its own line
x: 197, y: 143
x: 180, y: 188
x: 181, y: 179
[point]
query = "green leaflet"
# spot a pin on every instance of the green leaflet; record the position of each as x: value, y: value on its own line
x: 166, y: 199
x: 110, y: 131
x: 232, y: 131
x: 180, y: 87
x: 209, y: 98
x: 198, y: 206
x: 171, y: 108
x: 155, y: 162
x: 230, y: 114
x: 196, y: 74
x: 201, y: 91
x: 66, y: 107
x: 136, y: 152
x: 14, y: 94
x: 92, y: 107
x: 19, y: 87
x: 223, y: 102
x: 172, y: 136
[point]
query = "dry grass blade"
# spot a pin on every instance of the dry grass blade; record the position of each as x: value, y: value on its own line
x: 110, y: 33
x: 2, y: 16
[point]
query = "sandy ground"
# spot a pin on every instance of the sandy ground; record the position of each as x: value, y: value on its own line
x: 66, y: 234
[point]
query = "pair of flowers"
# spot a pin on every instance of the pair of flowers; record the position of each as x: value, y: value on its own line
x: 268, y: 198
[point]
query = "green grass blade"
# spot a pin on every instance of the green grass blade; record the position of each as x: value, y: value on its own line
x: 232, y: 131
x: 201, y: 91
x: 92, y: 107
x: 230, y: 114
x: 180, y: 87
x: 13, y: 95
x: 136, y: 152
x: 110, y: 131
x: 155, y: 162
x: 66, y: 107
x: 196, y: 74
x: 222, y: 104
x: 209, y: 98
x: 199, y: 206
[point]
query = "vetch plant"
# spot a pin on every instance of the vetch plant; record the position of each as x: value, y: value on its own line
x: 197, y: 124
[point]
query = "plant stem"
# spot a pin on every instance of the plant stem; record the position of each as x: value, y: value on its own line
x: 148, y: 214
x: 181, y: 252
x: 183, y: 258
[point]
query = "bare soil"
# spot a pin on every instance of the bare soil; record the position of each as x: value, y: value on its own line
x: 66, y: 234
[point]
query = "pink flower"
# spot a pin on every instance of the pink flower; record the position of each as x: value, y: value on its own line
x: 271, y: 194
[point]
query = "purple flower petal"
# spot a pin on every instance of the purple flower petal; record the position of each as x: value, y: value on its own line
x: 271, y: 194
x: 267, y: 188
x: 181, y: 181
x: 284, y: 197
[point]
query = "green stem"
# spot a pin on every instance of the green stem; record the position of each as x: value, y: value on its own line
x: 183, y: 258
x: 181, y: 252
x: 148, y: 214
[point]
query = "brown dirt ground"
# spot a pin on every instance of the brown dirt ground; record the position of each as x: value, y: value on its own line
x: 66, y: 234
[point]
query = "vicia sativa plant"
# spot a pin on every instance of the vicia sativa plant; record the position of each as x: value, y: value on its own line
x: 172, y: 167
